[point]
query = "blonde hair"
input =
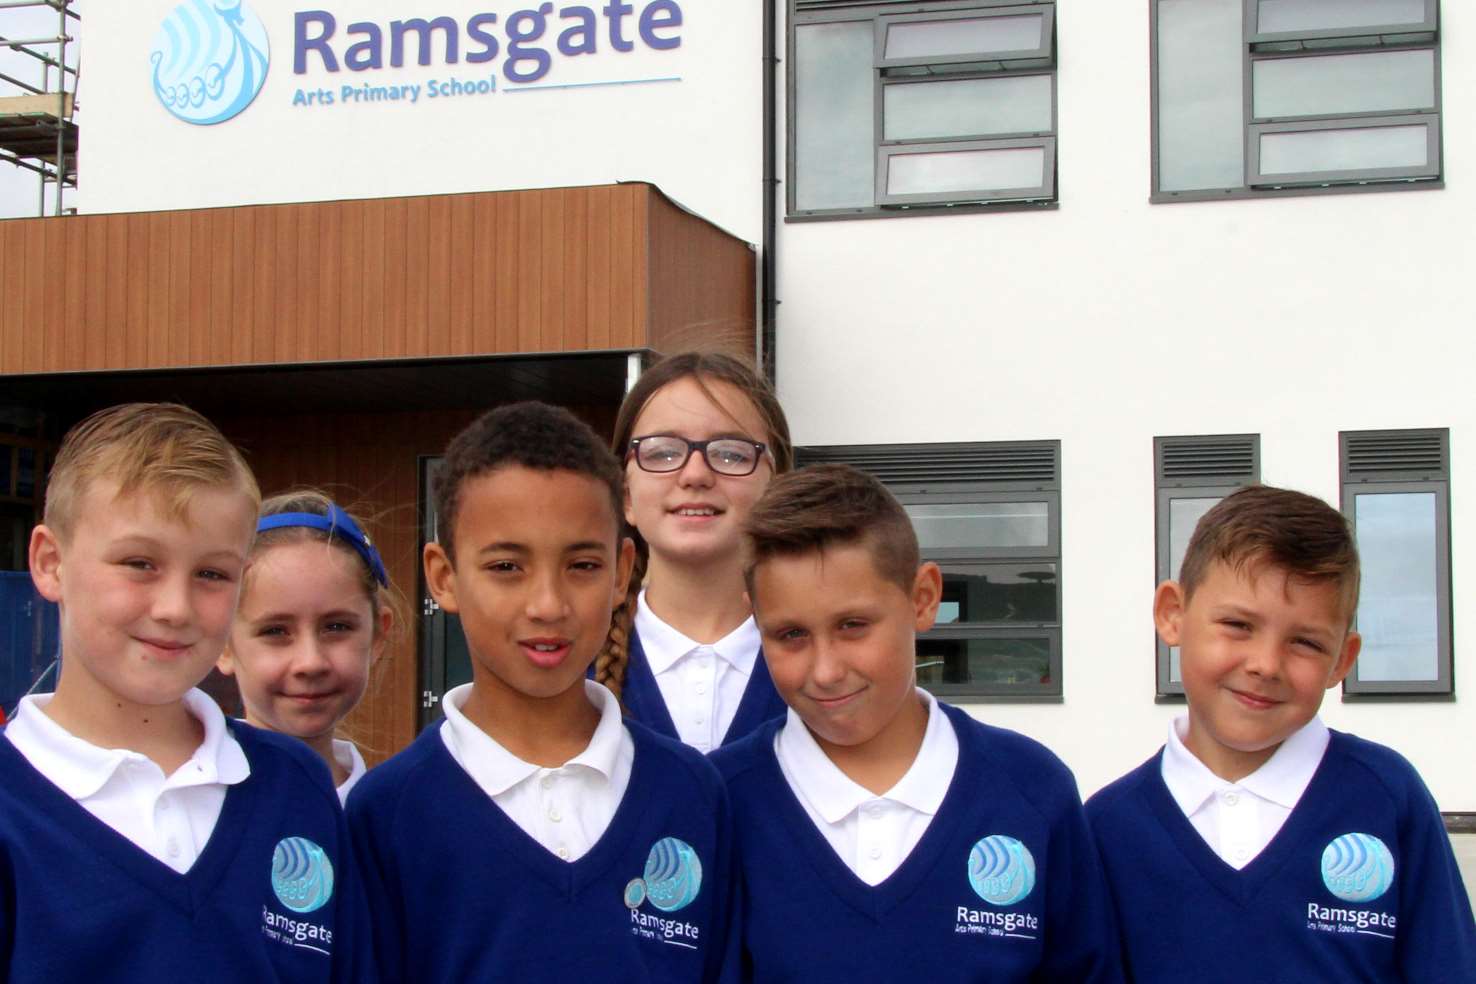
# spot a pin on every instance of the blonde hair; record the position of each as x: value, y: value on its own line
x: 705, y: 368
x: 163, y: 449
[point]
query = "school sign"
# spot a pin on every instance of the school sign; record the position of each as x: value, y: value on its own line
x: 248, y: 101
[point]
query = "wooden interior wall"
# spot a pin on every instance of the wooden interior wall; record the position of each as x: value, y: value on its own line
x: 369, y: 462
x: 556, y: 270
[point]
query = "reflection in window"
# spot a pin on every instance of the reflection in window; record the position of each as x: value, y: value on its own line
x: 994, y: 663
x: 1398, y: 607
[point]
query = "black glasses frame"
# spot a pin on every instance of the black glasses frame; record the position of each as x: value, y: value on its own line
x: 759, y: 448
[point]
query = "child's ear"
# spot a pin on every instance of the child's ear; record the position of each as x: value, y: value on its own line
x: 624, y: 564
x: 1168, y: 611
x: 384, y: 621
x: 1352, y: 645
x: 46, y: 560
x: 440, y: 576
x: 927, y: 593
x: 226, y: 663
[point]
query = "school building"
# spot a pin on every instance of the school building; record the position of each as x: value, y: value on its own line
x: 1062, y: 273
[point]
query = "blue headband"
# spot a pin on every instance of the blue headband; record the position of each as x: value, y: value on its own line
x: 336, y: 522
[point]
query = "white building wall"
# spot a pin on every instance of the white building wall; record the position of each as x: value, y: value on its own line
x: 1110, y: 321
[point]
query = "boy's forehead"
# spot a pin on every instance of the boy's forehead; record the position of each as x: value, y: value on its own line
x: 201, y: 508
x: 848, y: 566
x: 507, y: 498
x: 1259, y: 577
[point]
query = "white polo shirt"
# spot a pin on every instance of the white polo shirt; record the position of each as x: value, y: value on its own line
x: 346, y: 754
x: 702, y: 685
x: 169, y: 817
x: 872, y: 834
x: 1238, y: 819
x: 565, y: 809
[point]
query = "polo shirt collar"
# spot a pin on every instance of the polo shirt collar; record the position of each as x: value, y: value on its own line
x: 834, y: 795
x: 664, y: 645
x: 1281, y: 780
x: 496, y: 770
x: 80, y: 769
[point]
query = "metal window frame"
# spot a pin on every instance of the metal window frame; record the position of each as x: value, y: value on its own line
x: 1045, y: 191
x: 879, y: 120
x: 1253, y: 48
x: 1430, y: 170
x: 1165, y: 491
x: 1023, y: 693
x: 923, y: 490
x: 1254, y: 34
x: 1023, y: 57
x: 1256, y: 59
x: 1387, y: 483
x: 909, y: 205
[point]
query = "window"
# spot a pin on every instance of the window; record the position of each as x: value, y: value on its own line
x: 1191, y: 474
x: 1396, y: 493
x: 899, y: 106
x: 1257, y: 97
x: 990, y: 516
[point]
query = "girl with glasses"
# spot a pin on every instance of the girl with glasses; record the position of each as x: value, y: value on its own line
x: 701, y: 435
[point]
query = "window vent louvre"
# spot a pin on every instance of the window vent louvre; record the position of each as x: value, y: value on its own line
x: 1395, y: 454
x: 1032, y: 463
x: 1223, y: 460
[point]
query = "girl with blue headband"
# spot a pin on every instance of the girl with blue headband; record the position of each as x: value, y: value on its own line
x: 315, y: 614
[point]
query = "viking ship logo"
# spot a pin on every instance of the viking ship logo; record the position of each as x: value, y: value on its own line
x: 209, y: 60
x: 302, y: 875
x: 672, y: 878
x: 1001, y: 870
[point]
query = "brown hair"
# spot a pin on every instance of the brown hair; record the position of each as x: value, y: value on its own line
x: 316, y: 503
x: 704, y: 368
x: 1261, y: 524
x: 829, y: 505
x: 160, y: 448
x: 530, y: 435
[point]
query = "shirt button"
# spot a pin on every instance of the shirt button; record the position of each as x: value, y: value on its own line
x: 563, y: 852
x: 554, y: 814
x: 1231, y: 798
x: 875, y: 852
x: 546, y: 782
x: 701, y: 688
x: 1241, y: 853
x: 698, y: 720
x: 874, y: 811
x: 173, y: 847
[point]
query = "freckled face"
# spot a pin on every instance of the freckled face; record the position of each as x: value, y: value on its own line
x: 303, y: 639
x: 839, y: 640
x: 694, y: 515
x: 1258, y: 650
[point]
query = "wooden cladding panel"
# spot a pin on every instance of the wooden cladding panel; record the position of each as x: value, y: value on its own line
x: 702, y: 285
x: 552, y: 270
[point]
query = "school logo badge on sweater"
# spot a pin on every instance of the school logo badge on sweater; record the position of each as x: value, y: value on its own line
x: 1357, y: 869
x: 1001, y: 871
x: 302, y: 881
x: 670, y: 882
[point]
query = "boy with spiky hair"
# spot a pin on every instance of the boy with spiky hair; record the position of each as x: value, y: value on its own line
x: 143, y: 836
x: 883, y: 834
x: 1257, y: 844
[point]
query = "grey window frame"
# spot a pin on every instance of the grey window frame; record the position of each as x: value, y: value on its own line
x: 949, y: 473
x: 803, y: 12
x: 1256, y: 46
x: 1414, y: 477
x: 1228, y: 462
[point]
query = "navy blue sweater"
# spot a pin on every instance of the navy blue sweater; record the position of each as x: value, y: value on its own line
x: 1360, y: 884
x: 274, y: 896
x: 641, y: 697
x: 458, y: 892
x: 1004, y: 886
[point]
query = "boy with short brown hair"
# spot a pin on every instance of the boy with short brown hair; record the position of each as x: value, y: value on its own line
x: 145, y: 837
x: 882, y: 834
x: 1256, y: 826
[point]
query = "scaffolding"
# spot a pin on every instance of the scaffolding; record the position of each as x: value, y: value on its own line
x: 37, y: 132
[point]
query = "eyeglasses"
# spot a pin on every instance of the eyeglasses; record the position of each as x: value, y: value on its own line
x: 725, y: 455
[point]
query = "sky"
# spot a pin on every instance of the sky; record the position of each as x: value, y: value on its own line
x: 18, y: 187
